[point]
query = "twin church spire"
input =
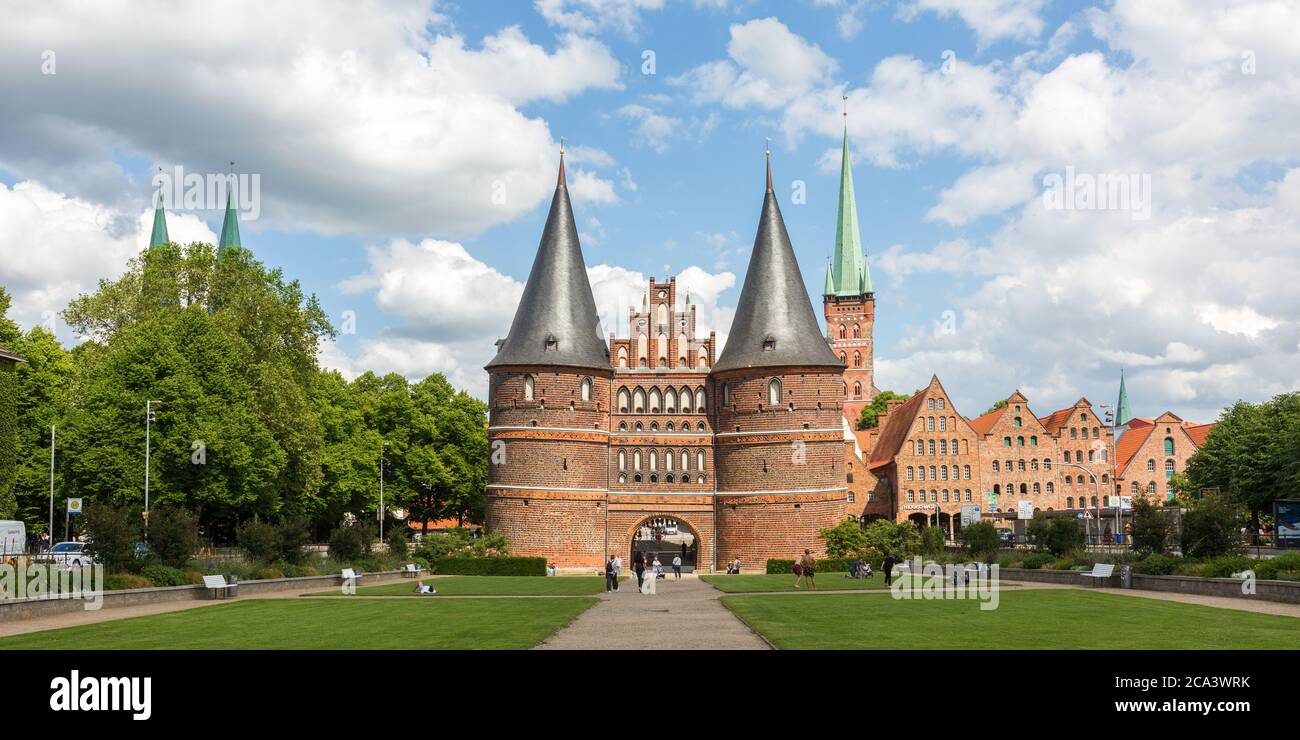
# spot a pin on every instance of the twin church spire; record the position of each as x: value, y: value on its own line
x: 229, y: 226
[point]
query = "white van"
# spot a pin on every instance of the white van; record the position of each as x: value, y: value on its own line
x: 13, y: 537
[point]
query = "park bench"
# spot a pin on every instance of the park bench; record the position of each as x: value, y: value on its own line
x: 217, y: 585
x: 350, y: 576
x: 1100, y: 572
x: 412, y: 570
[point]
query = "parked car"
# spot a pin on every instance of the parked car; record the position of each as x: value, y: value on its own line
x: 70, y: 554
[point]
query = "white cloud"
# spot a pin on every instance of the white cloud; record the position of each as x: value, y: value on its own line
x: 990, y: 19
x: 56, y: 247
x: 652, y: 129
x: 768, y: 66
x: 591, y: 16
x: 366, y: 112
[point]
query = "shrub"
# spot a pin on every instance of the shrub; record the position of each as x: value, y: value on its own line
x: 1156, y: 564
x: 844, y: 539
x: 1212, y: 528
x: 1151, y: 527
x: 295, y: 535
x: 1283, y: 567
x: 459, y: 543
x: 165, y: 575
x: 1058, y: 535
x: 350, y: 542
x: 268, y: 572
x: 980, y: 539
x: 259, y: 540
x: 120, y: 581
x: 1225, y: 565
x: 397, y: 544
x: 1009, y: 561
x: 1036, y: 560
x: 889, y: 538
x: 500, y: 566
x: 113, y: 532
x: 931, y: 541
x: 173, y: 536
x: 193, y: 577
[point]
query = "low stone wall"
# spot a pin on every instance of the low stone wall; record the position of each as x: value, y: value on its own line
x: 35, y: 608
x: 1283, y: 591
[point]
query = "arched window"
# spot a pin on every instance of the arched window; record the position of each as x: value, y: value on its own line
x: 668, y: 460
x: 699, y: 462
x: 699, y: 401
x: 995, y: 466
x: 622, y: 356
x: 943, y: 447
x: 654, y: 460
x: 624, y: 398
x: 910, y: 473
x: 932, y: 447
x: 965, y: 472
x: 857, y: 331
x: 686, y: 462
x: 1016, y: 422
x: 1036, y: 488
x: 663, y: 348
x: 774, y: 392
x: 638, y: 401
x: 622, y: 460
x: 529, y: 387
x: 921, y: 472
x: 1169, y: 468
x: 844, y: 358
x: 843, y: 335
x: 1069, y: 502
x: 857, y: 390
x: 670, y: 401
x: 585, y: 392
x: 655, y: 401
x: 857, y: 359
x: 636, y: 460
x: 1033, y: 441
x: 943, y: 423
x: 920, y: 447
x: 663, y: 314
x: 1006, y: 441
x: 642, y: 349
x: 1050, y: 487
x: 1020, y: 441
x: 997, y: 489
x: 1151, y: 464
x: 1169, y: 445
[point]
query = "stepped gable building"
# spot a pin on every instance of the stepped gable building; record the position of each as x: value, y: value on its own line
x: 1151, y: 451
x: 652, y: 443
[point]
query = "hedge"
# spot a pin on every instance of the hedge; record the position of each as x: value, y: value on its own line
x: 824, y: 565
x: 506, y: 566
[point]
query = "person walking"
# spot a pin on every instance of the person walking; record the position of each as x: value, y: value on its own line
x: 798, y: 573
x: 677, y: 566
x: 809, y: 565
x: 888, y: 567
x: 650, y: 582
x: 618, y: 569
x: 610, y: 579
x: 638, y: 567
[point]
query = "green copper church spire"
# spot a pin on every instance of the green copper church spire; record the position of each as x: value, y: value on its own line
x: 849, y: 275
x: 1122, y: 413
x: 230, y: 227
x: 159, y: 236
x: 830, y: 280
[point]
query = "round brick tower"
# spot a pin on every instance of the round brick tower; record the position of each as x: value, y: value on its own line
x: 548, y: 392
x: 779, y: 443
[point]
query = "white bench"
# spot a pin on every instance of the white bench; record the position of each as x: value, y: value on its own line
x: 350, y: 576
x: 412, y: 570
x: 1100, y: 572
x: 217, y: 584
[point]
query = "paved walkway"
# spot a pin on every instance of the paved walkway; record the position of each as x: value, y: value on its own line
x: 683, y: 615
x: 80, y: 617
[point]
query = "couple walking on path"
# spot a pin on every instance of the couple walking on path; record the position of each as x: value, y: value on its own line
x: 806, y: 567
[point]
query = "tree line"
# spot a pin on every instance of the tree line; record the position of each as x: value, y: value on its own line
x: 246, y: 422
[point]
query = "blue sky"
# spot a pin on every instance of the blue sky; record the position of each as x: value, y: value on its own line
x: 381, y: 138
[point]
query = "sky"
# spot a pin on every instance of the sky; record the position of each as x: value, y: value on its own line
x: 1049, y: 191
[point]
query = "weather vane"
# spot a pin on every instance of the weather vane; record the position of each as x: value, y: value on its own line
x: 562, y: 140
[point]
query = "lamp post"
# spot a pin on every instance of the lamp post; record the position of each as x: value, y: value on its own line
x: 50, y: 531
x: 148, y: 420
x: 381, y: 491
x: 1095, y: 482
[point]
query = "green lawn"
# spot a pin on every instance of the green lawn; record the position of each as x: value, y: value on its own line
x: 487, y: 586
x: 321, y: 624
x: 1037, y: 619
x: 785, y: 582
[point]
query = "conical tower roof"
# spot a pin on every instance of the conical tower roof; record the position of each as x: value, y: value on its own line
x: 1122, y: 413
x: 159, y: 235
x: 850, y: 275
x: 230, y: 226
x: 556, y: 322
x: 775, y: 324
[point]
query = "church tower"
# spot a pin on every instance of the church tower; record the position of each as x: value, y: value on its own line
x: 548, y: 397
x: 848, y: 302
x: 779, y: 393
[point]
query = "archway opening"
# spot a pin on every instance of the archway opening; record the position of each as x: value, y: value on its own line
x: 666, y: 537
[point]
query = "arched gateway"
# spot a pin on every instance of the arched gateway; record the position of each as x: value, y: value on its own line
x: 666, y: 536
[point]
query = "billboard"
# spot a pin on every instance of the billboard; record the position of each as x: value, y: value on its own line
x: 970, y: 515
x: 1024, y: 509
x: 1286, y: 521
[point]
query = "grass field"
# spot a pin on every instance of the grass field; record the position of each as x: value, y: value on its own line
x: 321, y: 624
x: 487, y: 586
x: 785, y: 582
x: 1037, y: 619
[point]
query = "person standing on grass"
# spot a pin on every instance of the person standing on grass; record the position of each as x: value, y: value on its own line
x: 638, y: 567
x: 888, y: 567
x: 677, y: 566
x: 610, y: 580
x: 809, y: 565
x: 798, y: 573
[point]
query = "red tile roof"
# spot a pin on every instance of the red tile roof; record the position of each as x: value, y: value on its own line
x: 983, y: 424
x: 1055, y: 420
x: 1198, y: 432
x: 897, y: 425
x: 1128, y: 445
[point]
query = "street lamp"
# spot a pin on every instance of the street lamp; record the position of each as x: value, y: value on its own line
x: 1095, y: 482
x: 148, y: 420
x: 381, y: 491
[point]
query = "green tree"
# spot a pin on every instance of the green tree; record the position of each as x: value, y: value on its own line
x: 113, y: 532
x: 1212, y: 527
x: 43, y: 390
x: 845, y: 539
x: 260, y: 540
x: 173, y: 535
x: 1058, y: 535
x: 932, y: 540
x: 980, y: 539
x: 1152, y: 527
x: 890, y: 538
x: 996, y: 405
x: 870, y: 415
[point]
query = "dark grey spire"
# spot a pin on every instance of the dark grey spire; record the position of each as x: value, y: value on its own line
x: 775, y: 324
x: 556, y: 322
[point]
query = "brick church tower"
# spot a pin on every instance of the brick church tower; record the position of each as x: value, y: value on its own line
x: 779, y: 392
x: 548, y: 393
x: 848, y: 302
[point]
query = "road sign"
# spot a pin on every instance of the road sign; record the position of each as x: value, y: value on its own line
x: 74, y: 506
x: 1024, y: 509
x: 970, y: 515
x: 1123, y: 503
